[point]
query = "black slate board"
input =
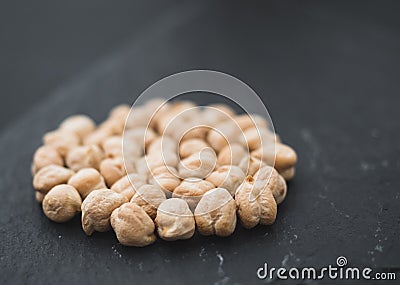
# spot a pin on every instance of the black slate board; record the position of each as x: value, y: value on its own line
x: 331, y: 85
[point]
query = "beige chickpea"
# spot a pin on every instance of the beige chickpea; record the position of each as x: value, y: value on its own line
x: 112, y: 147
x: 214, y: 114
x: 288, y: 173
x: 119, y: 113
x: 50, y: 176
x: 247, y: 121
x: 285, y: 157
x: 132, y: 225
x: 191, y: 190
x: 255, y: 138
x: 178, y: 113
x: 44, y: 156
x: 61, y: 140
x: 275, y: 182
x: 223, y: 134
x: 250, y: 165
x: 198, y: 165
x: 228, y: 177
x: 154, y: 160
x: 39, y: 197
x: 97, y: 209
x: 174, y: 220
x: 61, y: 203
x: 81, y: 125
x: 112, y: 169
x: 166, y: 178
x: 128, y: 185
x: 140, y: 137
x: 149, y: 197
x: 161, y: 144
x: 231, y: 154
x: 216, y: 213
x: 86, y: 180
x: 84, y: 157
x: 255, y: 203
x: 195, y: 129
x: 191, y: 146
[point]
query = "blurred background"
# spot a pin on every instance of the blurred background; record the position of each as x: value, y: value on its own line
x: 43, y: 44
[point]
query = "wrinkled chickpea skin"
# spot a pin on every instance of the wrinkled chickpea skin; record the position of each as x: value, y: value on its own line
x: 216, y: 213
x: 97, y: 209
x: 255, y: 203
x: 191, y: 190
x: 84, y: 157
x: 149, y: 197
x: 132, y: 225
x: 86, y: 180
x: 174, y: 220
x: 45, y: 156
x: 50, y: 176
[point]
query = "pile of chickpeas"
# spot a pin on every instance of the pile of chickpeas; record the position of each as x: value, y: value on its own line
x: 163, y: 168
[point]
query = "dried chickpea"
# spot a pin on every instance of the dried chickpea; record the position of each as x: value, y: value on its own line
x: 255, y: 138
x: 89, y: 156
x: 250, y: 165
x: 81, y: 125
x: 140, y: 137
x: 39, y: 197
x: 174, y: 220
x: 112, y: 147
x: 44, y: 156
x: 50, y: 176
x: 191, y: 190
x: 216, y: 213
x: 246, y: 121
x: 98, y: 136
x: 288, y: 173
x: 112, y: 169
x: 149, y: 197
x: 97, y: 209
x: 132, y: 225
x: 276, y: 183
x: 231, y: 154
x: 178, y: 113
x: 285, y: 157
x: 224, y: 133
x: 161, y: 144
x: 61, y: 203
x: 191, y: 146
x: 86, y: 180
x: 228, y: 177
x: 198, y: 164
x: 154, y: 160
x: 119, y: 113
x: 61, y: 140
x: 166, y: 178
x: 255, y: 203
x: 128, y: 185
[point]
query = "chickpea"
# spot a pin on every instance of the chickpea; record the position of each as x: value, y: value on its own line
x: 198, y: 165
x: 166, y: 178
x: 149, y: 197
x: 246, y: 121
x: 255, y: 203
x: 97, y: 209
x: 86, y: 180
x: 224, y: 133
x: 112, y: 147
x: 275, y: 182
x: 128, y: 185
x: 216, y: 213
x: 45, y: 156
x: 258, y: 137
x: 112, y: 169
x: 228, y: 177
x: 61, y: 140
x: 140, y: 137
x: 132, y: 225
x: 191, y: 190
x: 231, y: 154
x: 84, y: 157
x: 81, y: 125
x: 98, y: 136
x: 216, y: 113
x: 39, y: 197
x: 250, y: 165
x: 50, y: 176
x: 119, y: 113
x: 154, y: 160
x: 174, y: 220
x: 61, y: 203
x: 285, y: 157
x: 191, y: 146
x: 178, y: 113
x: 162, y: 144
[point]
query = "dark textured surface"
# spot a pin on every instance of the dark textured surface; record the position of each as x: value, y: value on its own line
x: 329, y: 76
